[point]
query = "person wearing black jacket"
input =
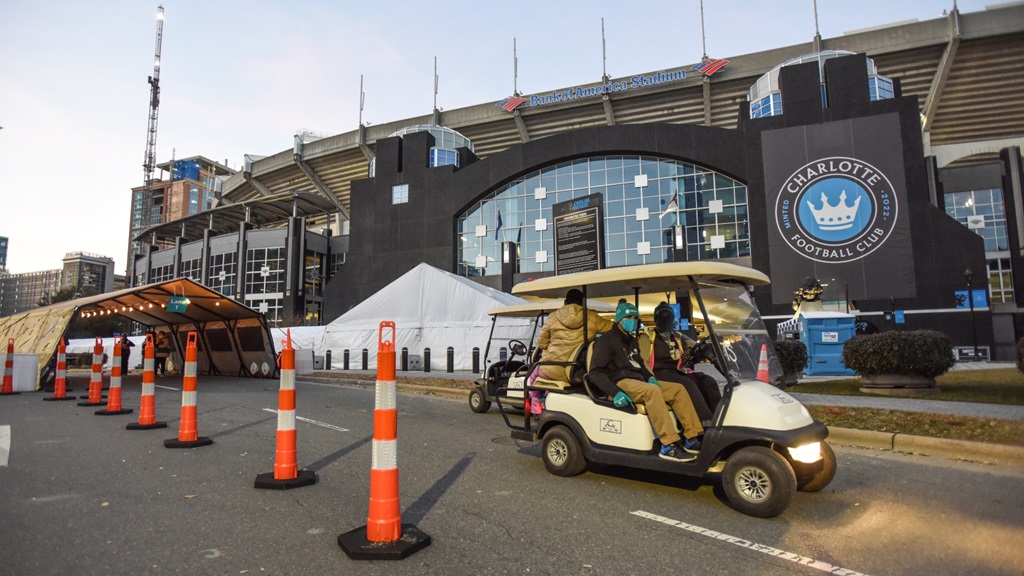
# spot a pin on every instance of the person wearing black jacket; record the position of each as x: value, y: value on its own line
x: 617, y: 368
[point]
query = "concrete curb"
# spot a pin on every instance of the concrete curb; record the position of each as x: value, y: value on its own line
x: 905, y: 443
x: 927, y: 446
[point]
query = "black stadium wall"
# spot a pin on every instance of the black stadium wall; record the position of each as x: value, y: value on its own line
x: 917, y: 259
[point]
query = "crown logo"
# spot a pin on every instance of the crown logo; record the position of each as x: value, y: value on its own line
x: 838, y: 217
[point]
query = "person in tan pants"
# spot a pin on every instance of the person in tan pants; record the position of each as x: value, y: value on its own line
x: 617, y: 368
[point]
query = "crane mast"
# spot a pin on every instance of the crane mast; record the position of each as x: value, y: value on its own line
x: 154, y: 104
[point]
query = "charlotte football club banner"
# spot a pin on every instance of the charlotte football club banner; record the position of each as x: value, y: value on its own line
x: 837, y: 210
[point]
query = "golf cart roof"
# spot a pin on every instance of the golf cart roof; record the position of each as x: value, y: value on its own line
x: 532, y: 309
x: 663, y: 277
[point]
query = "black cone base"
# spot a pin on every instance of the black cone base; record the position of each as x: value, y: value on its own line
x: 137, y: 426
x: 303, y: 478
x: 113, y: 412
x: 175, y: 443
x: 9, y: 393
x: 355, y: 544
x: 102, y: 402
x: 54, y: 398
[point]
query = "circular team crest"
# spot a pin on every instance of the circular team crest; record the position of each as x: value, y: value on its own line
x: 836, y: 210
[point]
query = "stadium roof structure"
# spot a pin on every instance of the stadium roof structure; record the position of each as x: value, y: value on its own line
x: 964, y: 68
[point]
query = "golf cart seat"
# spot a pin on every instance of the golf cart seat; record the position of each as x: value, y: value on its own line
x: 573, y: 373
x: 598, y: 395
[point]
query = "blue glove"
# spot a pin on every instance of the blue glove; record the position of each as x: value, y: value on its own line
x: 654, y: 381
x: 622, y: 399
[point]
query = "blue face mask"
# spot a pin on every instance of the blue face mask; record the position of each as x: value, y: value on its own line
x: 628, y: 324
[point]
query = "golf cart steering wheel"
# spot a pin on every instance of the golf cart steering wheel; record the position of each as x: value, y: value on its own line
x: 516, y: 347
x: 698, y: 352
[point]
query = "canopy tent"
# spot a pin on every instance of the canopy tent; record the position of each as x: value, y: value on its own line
x: 233, y: 338
x: 431, y: 308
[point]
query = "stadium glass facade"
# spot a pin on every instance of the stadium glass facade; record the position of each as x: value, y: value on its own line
x: 644, y: 197
x: 983, y: 212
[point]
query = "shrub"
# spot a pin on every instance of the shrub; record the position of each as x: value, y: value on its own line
x: 792, y: 355
x: 921, y: 352
x: 1020, y: 354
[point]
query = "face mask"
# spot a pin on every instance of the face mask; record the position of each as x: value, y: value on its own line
x: 664, y: 323
x: 628, y: 324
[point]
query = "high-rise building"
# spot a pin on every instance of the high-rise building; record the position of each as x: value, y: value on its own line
x: 3, y: 253
x: 23, y: 292
x: 194, y: 186
x: 87, y: 273
x: 90, y: 273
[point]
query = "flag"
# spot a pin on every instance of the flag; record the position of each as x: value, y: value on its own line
x: 673, y: 206
x: 519, y: 235
x: 499, y: 225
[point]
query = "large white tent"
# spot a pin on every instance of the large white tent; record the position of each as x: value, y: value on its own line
x: 431, y: 308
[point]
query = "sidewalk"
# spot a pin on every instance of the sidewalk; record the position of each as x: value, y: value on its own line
x: 1001, y: 411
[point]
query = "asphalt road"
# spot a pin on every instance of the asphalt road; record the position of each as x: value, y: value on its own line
x: 81, y: 495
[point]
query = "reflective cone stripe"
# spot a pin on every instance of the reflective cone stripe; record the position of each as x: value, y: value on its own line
x: 114, y: 394
x: 384, y: 523
x: 8, y: 385
x: 60, y: 380
x: 188, y: 431
x: 147, y: 403
x: 762, y: 365
x: 285, y: 460
x: 96, y: 378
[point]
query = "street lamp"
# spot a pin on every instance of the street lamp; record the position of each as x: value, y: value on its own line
x: 969, y: 276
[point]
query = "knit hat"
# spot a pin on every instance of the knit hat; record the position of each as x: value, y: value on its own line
x: 662, y: 308
x: 625, y: 310
x: 574, y: 296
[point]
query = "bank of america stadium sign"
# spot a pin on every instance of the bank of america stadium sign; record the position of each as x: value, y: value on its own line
x: 706, y: 67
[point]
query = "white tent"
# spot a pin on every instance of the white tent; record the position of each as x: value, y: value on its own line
x: 431, y: 308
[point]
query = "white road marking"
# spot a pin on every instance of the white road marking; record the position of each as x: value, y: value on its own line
x: 324, y: 424
x: 795, y: 558
x: 5, y: 444
x: 167, y: 388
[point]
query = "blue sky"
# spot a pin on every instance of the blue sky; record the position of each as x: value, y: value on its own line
x: 242, y: 77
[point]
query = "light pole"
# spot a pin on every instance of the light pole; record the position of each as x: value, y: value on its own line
x: 969, y: 276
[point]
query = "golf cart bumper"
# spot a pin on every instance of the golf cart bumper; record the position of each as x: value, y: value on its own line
x: 793, y: 444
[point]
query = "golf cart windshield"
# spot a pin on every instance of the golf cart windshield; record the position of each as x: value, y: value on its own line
x: 741, y: 330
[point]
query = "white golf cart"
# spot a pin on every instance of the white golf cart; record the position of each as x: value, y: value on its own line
x: 763, y: 441
x: 513, y: 342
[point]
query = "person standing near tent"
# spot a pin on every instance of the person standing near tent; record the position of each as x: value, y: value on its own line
x: 162, y: 350
x: 126, y: 352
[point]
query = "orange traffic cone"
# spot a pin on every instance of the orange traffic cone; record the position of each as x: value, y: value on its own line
x: 147, y: 402
x: 384, y: 537
x: 7, y: 388
x: 114, y: 394
x: 762, y: 365
x: 286, y: 472
x: 60, y: 381
x: 188, y: 432
x: 95, y: 397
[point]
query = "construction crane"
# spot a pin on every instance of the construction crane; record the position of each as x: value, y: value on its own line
x: 154, y: 102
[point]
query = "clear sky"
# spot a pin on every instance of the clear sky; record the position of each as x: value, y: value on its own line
x: 241, y: 77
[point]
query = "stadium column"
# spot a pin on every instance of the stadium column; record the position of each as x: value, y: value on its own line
x: 294, y: 300
x: 178, y: 241
x: 243, y: 229
x: 204, y: 261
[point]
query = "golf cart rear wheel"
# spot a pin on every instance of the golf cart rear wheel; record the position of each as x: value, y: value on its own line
x: 825, y: 475
x: 477, y: 402
x: 561, y: 452
x: 759, y: 482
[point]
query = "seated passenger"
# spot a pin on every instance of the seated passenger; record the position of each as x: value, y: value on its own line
x: 666, y: 359
x: 561, y: 335
x: 617, y: 368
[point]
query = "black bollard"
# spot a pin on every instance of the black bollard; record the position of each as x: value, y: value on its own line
x: 405, y: 359
x: 366, y: 359
x: 451, y: 359
x: 327, y: 360
x: 426, y: 359
x: 344, y: 360
x: 476, y: 360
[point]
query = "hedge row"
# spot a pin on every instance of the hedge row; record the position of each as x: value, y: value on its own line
x: 923, y: 352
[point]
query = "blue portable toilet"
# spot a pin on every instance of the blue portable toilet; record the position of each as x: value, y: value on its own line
x: 824, y: 334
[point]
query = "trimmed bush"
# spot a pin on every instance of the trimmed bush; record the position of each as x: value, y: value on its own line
x: 921, y: 352
x: 792, y: 355
x: 1020, y: 355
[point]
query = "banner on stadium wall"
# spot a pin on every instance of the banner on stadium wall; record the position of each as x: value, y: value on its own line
x: 836, y: 204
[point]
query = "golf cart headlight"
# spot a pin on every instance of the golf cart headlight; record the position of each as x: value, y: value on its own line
x: 808, y: 453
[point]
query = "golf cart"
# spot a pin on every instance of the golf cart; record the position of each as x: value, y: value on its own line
x: 516, y: 327
x: 764, y: 442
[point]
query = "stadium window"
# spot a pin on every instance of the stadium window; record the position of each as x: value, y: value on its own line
x: 400, y: 194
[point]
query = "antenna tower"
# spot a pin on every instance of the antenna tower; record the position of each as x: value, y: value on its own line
x: 154, y: 108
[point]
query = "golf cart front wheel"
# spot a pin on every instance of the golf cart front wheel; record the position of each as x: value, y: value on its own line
x: 825, y: 475
x: 759, y: 482
x: 477, y: 402
x: 561, y: 452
